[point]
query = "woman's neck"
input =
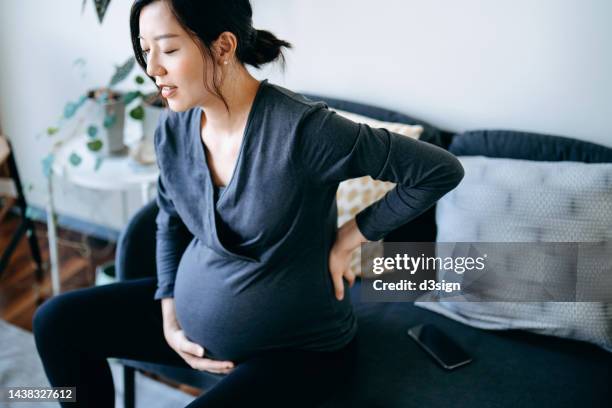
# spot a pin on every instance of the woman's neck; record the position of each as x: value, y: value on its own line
x: 239, y: 89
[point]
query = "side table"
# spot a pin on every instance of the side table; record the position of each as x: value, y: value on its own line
x: 115, y: 173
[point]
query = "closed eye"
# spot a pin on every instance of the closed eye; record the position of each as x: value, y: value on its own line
x: 146, y: 52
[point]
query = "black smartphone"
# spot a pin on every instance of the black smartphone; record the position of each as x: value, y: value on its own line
x: 445, y: 351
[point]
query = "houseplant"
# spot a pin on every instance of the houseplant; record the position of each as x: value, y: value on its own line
x: 104, y: 120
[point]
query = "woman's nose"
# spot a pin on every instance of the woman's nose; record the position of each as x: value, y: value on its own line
x: 154, y: 69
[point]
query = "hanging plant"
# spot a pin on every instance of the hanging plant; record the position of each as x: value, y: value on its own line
x: 100, y: 5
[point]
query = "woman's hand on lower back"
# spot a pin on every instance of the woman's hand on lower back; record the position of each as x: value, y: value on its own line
x: 348, y: 239
x: 191, y: 352
x: 339, y: 262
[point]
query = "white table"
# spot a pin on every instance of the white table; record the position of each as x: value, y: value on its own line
x: 120, y: 173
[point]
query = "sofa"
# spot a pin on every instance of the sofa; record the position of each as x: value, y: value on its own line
x: 510, y: 368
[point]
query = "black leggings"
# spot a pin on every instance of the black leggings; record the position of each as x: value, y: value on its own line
x: 77, y: 331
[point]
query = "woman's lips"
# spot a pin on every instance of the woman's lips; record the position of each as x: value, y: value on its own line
x: 168, y: 91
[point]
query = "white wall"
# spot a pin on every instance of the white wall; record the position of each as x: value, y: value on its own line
x: 39, y: 41
x: 538, y: 65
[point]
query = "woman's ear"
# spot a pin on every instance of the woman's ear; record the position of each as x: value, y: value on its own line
x: 225, y: 47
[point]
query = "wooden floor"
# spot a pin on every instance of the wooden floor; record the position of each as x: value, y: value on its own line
x: 78, y: 257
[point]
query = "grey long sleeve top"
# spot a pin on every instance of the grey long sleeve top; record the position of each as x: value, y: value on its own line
x: 269, y: 286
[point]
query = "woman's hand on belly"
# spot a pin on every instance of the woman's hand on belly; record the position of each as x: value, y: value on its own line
x: 348, y: 239
x: 191, y: 352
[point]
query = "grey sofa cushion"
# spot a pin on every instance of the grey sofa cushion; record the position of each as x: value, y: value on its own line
x: 506, y: 200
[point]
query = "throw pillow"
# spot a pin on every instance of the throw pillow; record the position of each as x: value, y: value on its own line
x: 508, y: 200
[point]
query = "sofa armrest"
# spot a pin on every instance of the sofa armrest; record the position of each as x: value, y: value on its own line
x: 135, y: 256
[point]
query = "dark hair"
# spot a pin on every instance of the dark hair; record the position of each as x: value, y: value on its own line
x: 205, y: 20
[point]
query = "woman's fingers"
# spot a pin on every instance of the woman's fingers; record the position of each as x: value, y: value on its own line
x: 213, y: 365
x: 207, y: 364
x: 339, y: 268
x: 338, y: 285
x: 189, y: 347
x: 193, y: 354
x: 350, y: 277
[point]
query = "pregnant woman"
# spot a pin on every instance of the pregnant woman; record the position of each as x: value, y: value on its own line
x: 252, y: 272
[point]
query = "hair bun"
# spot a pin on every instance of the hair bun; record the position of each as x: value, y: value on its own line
x: 264, y: 47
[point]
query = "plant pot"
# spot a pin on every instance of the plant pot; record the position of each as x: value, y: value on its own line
x: 112, y: 136
x: 111, y: 117
x: 149, y: 123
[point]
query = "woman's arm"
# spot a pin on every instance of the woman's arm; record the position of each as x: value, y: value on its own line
x: 172, y: 238
x: 172, y: 235
x: 334, y: 149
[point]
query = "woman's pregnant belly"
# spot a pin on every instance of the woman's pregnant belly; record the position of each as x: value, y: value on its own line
x: 235, y: 308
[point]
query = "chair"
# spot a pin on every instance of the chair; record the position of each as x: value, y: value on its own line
x: 12, y: 189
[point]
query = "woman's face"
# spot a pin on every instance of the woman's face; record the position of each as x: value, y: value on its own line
x: 173, y: 58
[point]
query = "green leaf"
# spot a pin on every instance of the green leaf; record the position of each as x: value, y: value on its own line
x: 47, y: 163
x: 122, y: 72
x: 98, y: 164
x: 52, y: 130
x: 109, y: 120
x: 139, y: 80
x: 130, y: 96
x: 94, y: 145
x: 81, y: 101
x: 137, y: 113
x: 70, y: 109
x: 92, y: 131
x: 75, y: 159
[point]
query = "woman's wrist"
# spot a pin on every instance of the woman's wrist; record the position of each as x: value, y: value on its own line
x: 169, y: 314
x: 349, y: 236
